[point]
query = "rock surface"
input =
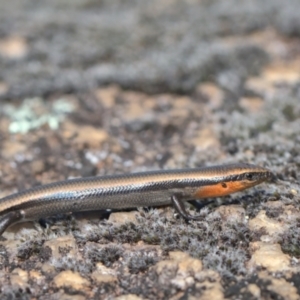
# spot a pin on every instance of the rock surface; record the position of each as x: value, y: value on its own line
x: 93, y: 88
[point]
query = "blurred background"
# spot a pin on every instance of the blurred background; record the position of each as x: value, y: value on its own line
x: 157, y: 46
x: 131, y: 83
x: 101, y: 87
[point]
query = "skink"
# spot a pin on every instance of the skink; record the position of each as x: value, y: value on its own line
x: 152, y: 188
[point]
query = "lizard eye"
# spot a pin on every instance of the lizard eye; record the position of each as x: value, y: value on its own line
x: 249, y: 176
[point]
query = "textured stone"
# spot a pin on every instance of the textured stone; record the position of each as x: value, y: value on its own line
x: 278, y: 73
x: 252, y: 104
x: 123, y: 217
x: 211, y: 92
x: 182, y: 266
x: 186, y: 264
x: 290, y: 214
x: 13, y: 47
x: 107, y: 95
x: 164, y: 265
x: 85, y: 135
x: 58, y: 244
x: 37, y: 166
x: 269, y: 256
x: 104, y: 274
x: 254, y: 290
x: 284, y: 289
x: 100, y: 278
x: 19, y: 277
x: 233, y: 213
x: 272, y: 227
x: 62, y: 296
x: 12, y: 148
x: 206, y: 138
x: 128, y: 297
x: 212, y: 290
x: 36, y: 276
x: 70, y: 279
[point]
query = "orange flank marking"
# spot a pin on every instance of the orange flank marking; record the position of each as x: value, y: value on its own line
x: 220, y: 189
